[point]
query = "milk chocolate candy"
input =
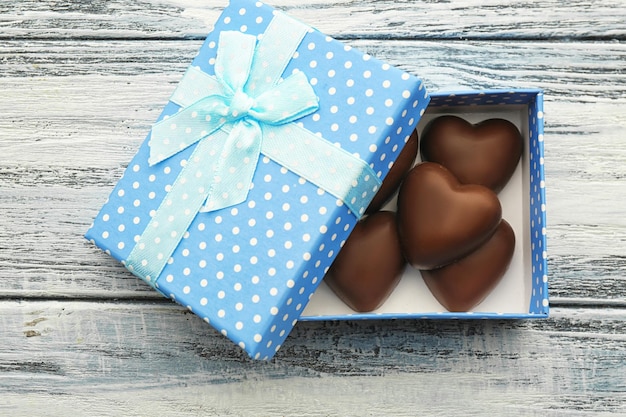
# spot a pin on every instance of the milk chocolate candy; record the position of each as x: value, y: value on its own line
x: 464, y: 284
x: 439, y: 219
x: 392, y: 181
x: 369, y: 265
x: 486, y: 153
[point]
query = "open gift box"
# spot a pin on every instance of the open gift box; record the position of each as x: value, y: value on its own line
x: 259, y: 167
x: 523, y: 290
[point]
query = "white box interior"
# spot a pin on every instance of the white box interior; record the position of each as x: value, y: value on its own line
x: 412, y: 296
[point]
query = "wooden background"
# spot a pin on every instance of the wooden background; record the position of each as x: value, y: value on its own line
x: 80, y: 84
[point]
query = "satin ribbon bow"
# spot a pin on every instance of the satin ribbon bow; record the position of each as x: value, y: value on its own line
x: 245, y: 109
x: 233, y: 107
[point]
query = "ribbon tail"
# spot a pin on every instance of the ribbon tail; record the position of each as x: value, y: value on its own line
x: 235, y: 167
x: 172, y: 219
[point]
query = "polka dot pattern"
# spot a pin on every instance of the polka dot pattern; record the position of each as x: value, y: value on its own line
x: 249, y: 270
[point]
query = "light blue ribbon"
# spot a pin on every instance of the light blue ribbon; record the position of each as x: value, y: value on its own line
x: 244, y: 110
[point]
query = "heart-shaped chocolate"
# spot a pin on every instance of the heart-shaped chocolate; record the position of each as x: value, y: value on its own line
x: 441, y: 220
x: 486, y: 153
x: 465, y: 283
x: 392, y: 181
x: 369, y: 265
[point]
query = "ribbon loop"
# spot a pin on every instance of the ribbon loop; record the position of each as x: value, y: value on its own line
x: 235, y: 52
x: 286, y: 102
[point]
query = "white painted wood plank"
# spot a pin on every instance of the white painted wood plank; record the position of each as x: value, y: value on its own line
x: 161, y: 19
x: 48, y: 197
x: 125, y: 359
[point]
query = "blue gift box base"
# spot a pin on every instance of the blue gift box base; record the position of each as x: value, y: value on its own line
x: 523, y: 291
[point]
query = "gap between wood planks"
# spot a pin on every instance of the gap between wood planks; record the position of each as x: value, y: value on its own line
x: 149, y: 297
x: 339, y: 37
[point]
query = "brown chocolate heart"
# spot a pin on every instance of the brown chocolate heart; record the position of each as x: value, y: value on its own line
x: 369, y: 265
x: 392, y: 181
x: 465, y: 283
x: 486, y: 153
x: 441, y: 220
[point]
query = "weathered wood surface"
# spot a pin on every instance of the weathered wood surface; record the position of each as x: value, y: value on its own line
x: 80, y: 84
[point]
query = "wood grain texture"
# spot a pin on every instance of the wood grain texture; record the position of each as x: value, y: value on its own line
x: 81, y: 83
x: 346, y: 19
x: 130, y: 81
x: 115, y: 358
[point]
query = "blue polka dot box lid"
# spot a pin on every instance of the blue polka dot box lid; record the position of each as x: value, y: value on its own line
x: 270, y: 149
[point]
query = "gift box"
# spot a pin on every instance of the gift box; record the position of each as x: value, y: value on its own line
x: 269, y: 151
x: 523, y: 291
